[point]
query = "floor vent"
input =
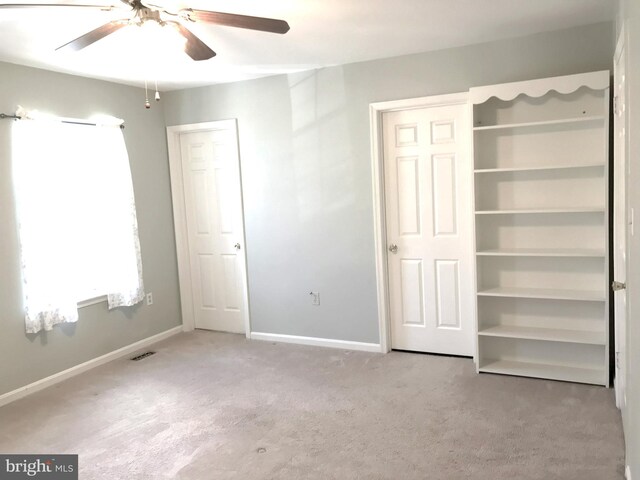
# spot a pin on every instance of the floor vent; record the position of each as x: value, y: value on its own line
x: 142, y: 355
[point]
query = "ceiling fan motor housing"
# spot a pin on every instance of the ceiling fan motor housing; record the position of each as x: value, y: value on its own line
x: 146, y: 14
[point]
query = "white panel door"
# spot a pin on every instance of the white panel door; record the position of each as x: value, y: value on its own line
x: 620, y: 218
x: 427, y: 166
x: 213, y: 208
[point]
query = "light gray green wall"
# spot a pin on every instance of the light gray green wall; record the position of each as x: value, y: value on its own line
x: 27, y: 358
x: 305, y: 150
x: 630, y: 17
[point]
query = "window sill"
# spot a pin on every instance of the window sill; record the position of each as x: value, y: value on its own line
x: 92, y: 301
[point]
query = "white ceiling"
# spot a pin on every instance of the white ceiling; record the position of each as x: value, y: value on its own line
x: 323, y: 32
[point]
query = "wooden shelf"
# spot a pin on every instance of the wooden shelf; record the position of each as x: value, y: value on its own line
x: 541, y: 210
x: 540, y: 370
x: 539, y: 168
x: 542, y: 252
x: 562, y: 121
x: 546, y: 334
x: 544, y: 293
x: 540, y: 177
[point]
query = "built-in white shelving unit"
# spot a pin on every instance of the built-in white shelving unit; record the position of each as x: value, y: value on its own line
x: 541, y: 226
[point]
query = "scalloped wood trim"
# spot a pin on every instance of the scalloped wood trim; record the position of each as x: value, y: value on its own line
x: 537, y: 88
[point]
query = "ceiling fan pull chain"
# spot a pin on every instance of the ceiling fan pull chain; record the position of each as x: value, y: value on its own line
x: 157, y: 92
x: 146, y: 95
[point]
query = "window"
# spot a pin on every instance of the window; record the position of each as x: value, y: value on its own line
x: 77, y: 219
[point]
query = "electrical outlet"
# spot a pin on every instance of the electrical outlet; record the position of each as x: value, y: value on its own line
x: 315, y: 298
x: 149, y: 298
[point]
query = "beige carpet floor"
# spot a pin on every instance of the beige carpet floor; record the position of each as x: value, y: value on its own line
x: 216, y: 406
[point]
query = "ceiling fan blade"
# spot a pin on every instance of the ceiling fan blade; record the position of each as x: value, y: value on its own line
x: 195, y: 48
x: 239, y: 21
x: 43, y: 5
x: 94, y: 35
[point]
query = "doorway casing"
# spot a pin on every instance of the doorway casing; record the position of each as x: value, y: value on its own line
x: 180, y: 221
x: 376, y: 111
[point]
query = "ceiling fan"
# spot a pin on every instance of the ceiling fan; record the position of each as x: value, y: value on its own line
x: 144, y: 12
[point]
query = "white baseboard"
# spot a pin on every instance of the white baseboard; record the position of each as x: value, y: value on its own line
x: 627, y: 473
x: 317, y: 342
x: 83, y: 367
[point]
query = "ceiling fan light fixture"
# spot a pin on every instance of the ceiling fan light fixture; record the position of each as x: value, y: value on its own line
x: 145, y: 14
x: 157, y: 43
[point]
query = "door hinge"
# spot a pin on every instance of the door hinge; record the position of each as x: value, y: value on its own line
x: 617, y: 360
x: 615, y: 105
x: 616, y: 286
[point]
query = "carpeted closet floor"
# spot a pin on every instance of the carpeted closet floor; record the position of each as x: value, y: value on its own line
x: 216, y: 406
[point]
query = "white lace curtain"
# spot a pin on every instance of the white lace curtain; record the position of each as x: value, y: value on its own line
x: 77, y: 219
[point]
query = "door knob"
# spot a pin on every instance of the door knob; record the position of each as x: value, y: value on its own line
x: 393, y: 248
x: 237, y: 246
x: 615, y: 286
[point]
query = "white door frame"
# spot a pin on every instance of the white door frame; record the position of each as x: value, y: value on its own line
x: 376, y: 110
x: 619, y: 331
x: 180, y: 220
